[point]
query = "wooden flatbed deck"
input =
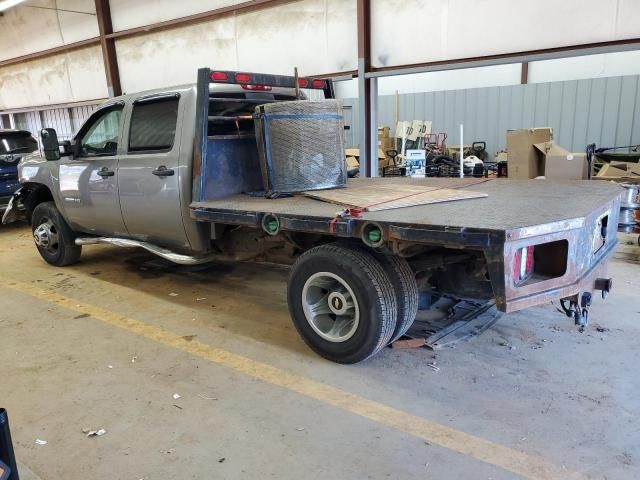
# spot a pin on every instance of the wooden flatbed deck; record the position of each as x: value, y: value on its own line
x: 510, y: 204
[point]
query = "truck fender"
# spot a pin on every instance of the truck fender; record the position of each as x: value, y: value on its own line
x: 33, y: 194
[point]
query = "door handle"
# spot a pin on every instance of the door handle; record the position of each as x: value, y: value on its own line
x: 163, y: 171
x: 105, y: 172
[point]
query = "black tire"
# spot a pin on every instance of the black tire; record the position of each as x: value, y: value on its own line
x: 57, y: 245
x: 374, y: 296
x: 404, y: 282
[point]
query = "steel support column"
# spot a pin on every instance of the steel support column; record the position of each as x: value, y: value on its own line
x: 373, y: 126
x: 524, y: 73
x: 103, y: 13
x: 368, y: 128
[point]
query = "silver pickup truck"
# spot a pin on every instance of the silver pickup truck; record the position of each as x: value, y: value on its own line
x: 169, y: 171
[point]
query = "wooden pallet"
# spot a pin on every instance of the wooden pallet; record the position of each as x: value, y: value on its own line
x: 393, y: 195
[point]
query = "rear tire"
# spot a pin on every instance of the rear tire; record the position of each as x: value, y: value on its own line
x: 341, y: 302
x: 53, y: 237
x: 404, y: 282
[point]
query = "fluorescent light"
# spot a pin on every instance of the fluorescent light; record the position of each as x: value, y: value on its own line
x: 7, y: 4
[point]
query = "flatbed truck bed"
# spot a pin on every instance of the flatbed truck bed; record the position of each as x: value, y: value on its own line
x: 510, y: 205
x: 573, y: 223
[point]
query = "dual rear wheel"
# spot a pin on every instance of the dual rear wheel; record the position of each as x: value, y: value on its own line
x: 348, y: 303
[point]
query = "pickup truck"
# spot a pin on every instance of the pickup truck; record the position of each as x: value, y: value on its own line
x: 169, y: 171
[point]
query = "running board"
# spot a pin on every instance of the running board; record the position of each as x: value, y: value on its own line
x: 150, y: 247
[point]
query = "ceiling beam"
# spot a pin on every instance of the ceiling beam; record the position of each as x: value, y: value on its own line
x: 108, y: 46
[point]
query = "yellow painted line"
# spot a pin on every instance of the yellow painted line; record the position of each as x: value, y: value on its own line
x: 520, y: 463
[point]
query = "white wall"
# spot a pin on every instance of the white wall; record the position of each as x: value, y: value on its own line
x: 417, y: 31
x: 127, y: 14
x: 591, y: 66
x: 317, y: 36
x: 25, y: 30
x: 437, y: 81
x: 65, y: 78
x: 575, y: 68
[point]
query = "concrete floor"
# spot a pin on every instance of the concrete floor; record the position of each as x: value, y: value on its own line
x: 532, y: 384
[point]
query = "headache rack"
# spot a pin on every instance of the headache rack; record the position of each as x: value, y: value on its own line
x: 225, y: 142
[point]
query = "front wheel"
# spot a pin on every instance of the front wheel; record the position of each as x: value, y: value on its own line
x: 342, y: 302
x: 53, y: 237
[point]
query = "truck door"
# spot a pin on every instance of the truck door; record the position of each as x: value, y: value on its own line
x: 149, y: 172
x: 88, y: 182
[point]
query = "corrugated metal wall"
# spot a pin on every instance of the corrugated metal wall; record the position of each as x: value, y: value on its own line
x: 601, y: 110
x: 66, y: 120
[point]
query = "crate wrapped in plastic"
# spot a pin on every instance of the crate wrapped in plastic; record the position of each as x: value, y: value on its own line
x: 301, y: 145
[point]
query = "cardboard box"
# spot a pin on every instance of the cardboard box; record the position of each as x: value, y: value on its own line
x: 352, y: 152
x: 388, y: 143
x: 522, y: 156
x: 559, y: 163
x: 355, y: 152
x: 383, y: 132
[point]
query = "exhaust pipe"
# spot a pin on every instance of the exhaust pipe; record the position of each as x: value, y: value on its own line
x: 7, y: 456
x: 150, y: 247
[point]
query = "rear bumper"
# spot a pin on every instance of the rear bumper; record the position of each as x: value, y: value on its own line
x: 585, y: 260
x: 584, y: 283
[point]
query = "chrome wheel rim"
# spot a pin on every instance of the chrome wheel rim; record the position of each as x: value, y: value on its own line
x: 330, y: 306
x: 46, y: 236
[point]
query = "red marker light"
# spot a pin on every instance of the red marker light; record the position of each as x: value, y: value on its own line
x: 318, y: 84
x: 219, y: 76
x: 243, y: 77
x: 262, y: 88
x: 303, y: 82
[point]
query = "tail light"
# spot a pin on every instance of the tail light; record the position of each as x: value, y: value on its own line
x: 260, y: 88
x: 257, y: 79
x: 522, y: 264
x: 219, y: 76
x: 243, y: 77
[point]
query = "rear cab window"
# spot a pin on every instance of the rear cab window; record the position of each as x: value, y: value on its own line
x: 153, y: 124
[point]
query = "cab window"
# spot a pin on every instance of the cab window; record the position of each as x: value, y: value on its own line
x: 101, y: 137
x: 153, y: 125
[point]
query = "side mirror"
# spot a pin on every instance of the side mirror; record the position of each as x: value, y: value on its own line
x: 67, y: 148
x: 50, y: 144
x: 76, y: 149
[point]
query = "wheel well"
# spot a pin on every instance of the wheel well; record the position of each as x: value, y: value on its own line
x: 37, y: 194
